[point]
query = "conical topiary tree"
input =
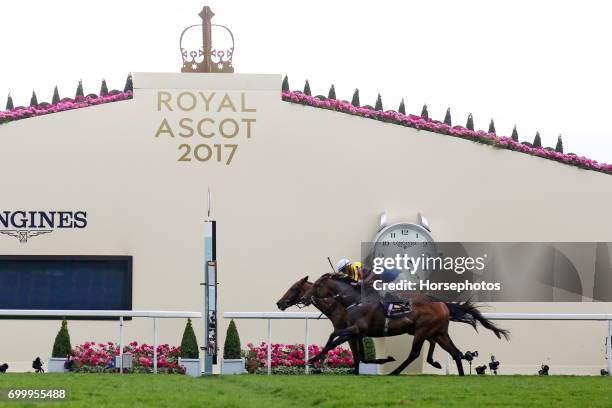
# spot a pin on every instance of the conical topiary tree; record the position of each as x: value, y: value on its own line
x: 332, y: 92
x: 447, y: 118
x: 515, y: 134
x: 189, y: 343
x: 378, y: 106
x: 470, y: 122
x: 79, y: 90
x: 425, y: 112
x: 61, y: 346
x: 355, y: 100
x: 33, y: 99
x: 231, y: 347
x: 9, y: 102
x: 307, y: 89
x: 369, y: 350
x: 285, y: 85
x: 402, y: 107
x: 492, y: 126
x: 56, y: 96
x: 537, y: 141
x: 129, y: 83
x: 103, y: 88
x: 559, y: 147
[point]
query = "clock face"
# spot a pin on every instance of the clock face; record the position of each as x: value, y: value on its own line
x: 405, y: 239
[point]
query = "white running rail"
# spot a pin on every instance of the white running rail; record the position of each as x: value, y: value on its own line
x: 269, y: 316
x: 153, y: 314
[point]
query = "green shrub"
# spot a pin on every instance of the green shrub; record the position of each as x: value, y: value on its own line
x: 559, y: 147
x: 402, y: 107
x: 355, y: 100
x: 492, y: 127
x: 33, y: 99
x: 61, y: 346
x: 285, y: 85
x: 56, y: 97
x: 332, y: 92
x: 470, y: 122
x: 189, y: 344
x: 9, y: 102
x: 515, y: 135
x: 447, y: 118
x: 537, y: 141
x: 104, y: 88
x: 369, y: 350
x: 425, y: 112
x: 379, y: 105
x: 231, y: 347
x: 129, y: 83
x: 307, y: 89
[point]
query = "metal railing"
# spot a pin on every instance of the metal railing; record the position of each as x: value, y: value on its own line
x: 269, y: 316
x: 153, y: 314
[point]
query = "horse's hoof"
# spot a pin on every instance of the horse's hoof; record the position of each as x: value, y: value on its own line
x: 394, y: 373
x: 436, y: 364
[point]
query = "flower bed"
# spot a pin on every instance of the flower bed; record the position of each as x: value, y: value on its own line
x: 100, y: 357
x: 289, y: 359
x: 22, y: 112
x: 418, y: 122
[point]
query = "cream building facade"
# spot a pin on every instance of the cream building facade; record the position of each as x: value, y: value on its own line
x: 301, y: 184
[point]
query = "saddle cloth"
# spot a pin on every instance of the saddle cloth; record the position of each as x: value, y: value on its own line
x: 394, y: 310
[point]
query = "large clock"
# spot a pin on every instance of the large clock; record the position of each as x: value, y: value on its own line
x: 409, y: 241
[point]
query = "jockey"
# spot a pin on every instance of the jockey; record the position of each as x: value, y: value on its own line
x: 353, y: 270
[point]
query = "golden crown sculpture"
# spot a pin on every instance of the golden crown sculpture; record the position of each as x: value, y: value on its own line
x: 205, y: 58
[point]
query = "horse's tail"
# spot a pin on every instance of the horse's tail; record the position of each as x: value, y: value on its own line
x: 467, y: 312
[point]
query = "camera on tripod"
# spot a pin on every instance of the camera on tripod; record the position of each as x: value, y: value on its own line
x: 493, y: 365
x: 469, y: 355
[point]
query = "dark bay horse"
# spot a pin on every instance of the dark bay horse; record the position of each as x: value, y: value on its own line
x: 428, y: 320
x: 335, y: 312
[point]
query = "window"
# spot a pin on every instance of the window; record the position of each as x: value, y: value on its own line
x: 66, y: 282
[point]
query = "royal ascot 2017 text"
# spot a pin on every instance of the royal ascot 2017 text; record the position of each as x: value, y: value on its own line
x: 211, y: 126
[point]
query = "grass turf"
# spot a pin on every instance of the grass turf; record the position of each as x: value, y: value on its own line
x: 133, y: 390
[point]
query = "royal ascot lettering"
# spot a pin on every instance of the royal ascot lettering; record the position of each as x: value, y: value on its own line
x: 227, y: 119
x: 27, y: 224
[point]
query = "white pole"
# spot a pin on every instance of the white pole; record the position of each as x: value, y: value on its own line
x: 121, y: 344
x: 269, y: 347
x: 306, y: 347
x: 447, y: 368
x: 155, y: 345
x: 609, y: 347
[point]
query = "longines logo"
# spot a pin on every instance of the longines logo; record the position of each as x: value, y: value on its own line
x: 24, y: 225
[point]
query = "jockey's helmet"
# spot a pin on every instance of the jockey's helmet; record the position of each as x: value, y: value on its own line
x: 341, y: 264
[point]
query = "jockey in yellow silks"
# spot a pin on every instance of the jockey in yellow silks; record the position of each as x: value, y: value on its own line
x: 353, y: 270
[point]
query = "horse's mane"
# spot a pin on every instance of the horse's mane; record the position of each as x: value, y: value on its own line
x: 340, y: 277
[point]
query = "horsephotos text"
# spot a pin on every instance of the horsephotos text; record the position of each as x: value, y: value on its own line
x: 405, y: 262
x: 227, y: 118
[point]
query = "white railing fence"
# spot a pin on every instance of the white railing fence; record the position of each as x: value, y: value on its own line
x: 121, y: 314
x: 306, y: 316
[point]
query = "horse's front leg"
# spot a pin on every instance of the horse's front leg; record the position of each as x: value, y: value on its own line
x: 335, y: 339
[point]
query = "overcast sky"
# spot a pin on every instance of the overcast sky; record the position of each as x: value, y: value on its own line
x: 545, y: 66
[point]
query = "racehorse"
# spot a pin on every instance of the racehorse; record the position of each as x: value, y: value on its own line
x: 428, y: 320
x: 336, y: 313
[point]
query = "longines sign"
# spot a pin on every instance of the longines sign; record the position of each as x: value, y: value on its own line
x: 26, y: 224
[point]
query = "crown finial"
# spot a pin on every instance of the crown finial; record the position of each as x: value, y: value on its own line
x: 202, y: 55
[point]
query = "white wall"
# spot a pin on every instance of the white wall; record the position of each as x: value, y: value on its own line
x: 308, y: 184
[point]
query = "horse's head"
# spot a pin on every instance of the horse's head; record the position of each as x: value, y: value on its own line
x: 323, y: 287
x: 293, y: 295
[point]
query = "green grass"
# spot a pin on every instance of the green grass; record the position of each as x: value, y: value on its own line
x: 134, y: 390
